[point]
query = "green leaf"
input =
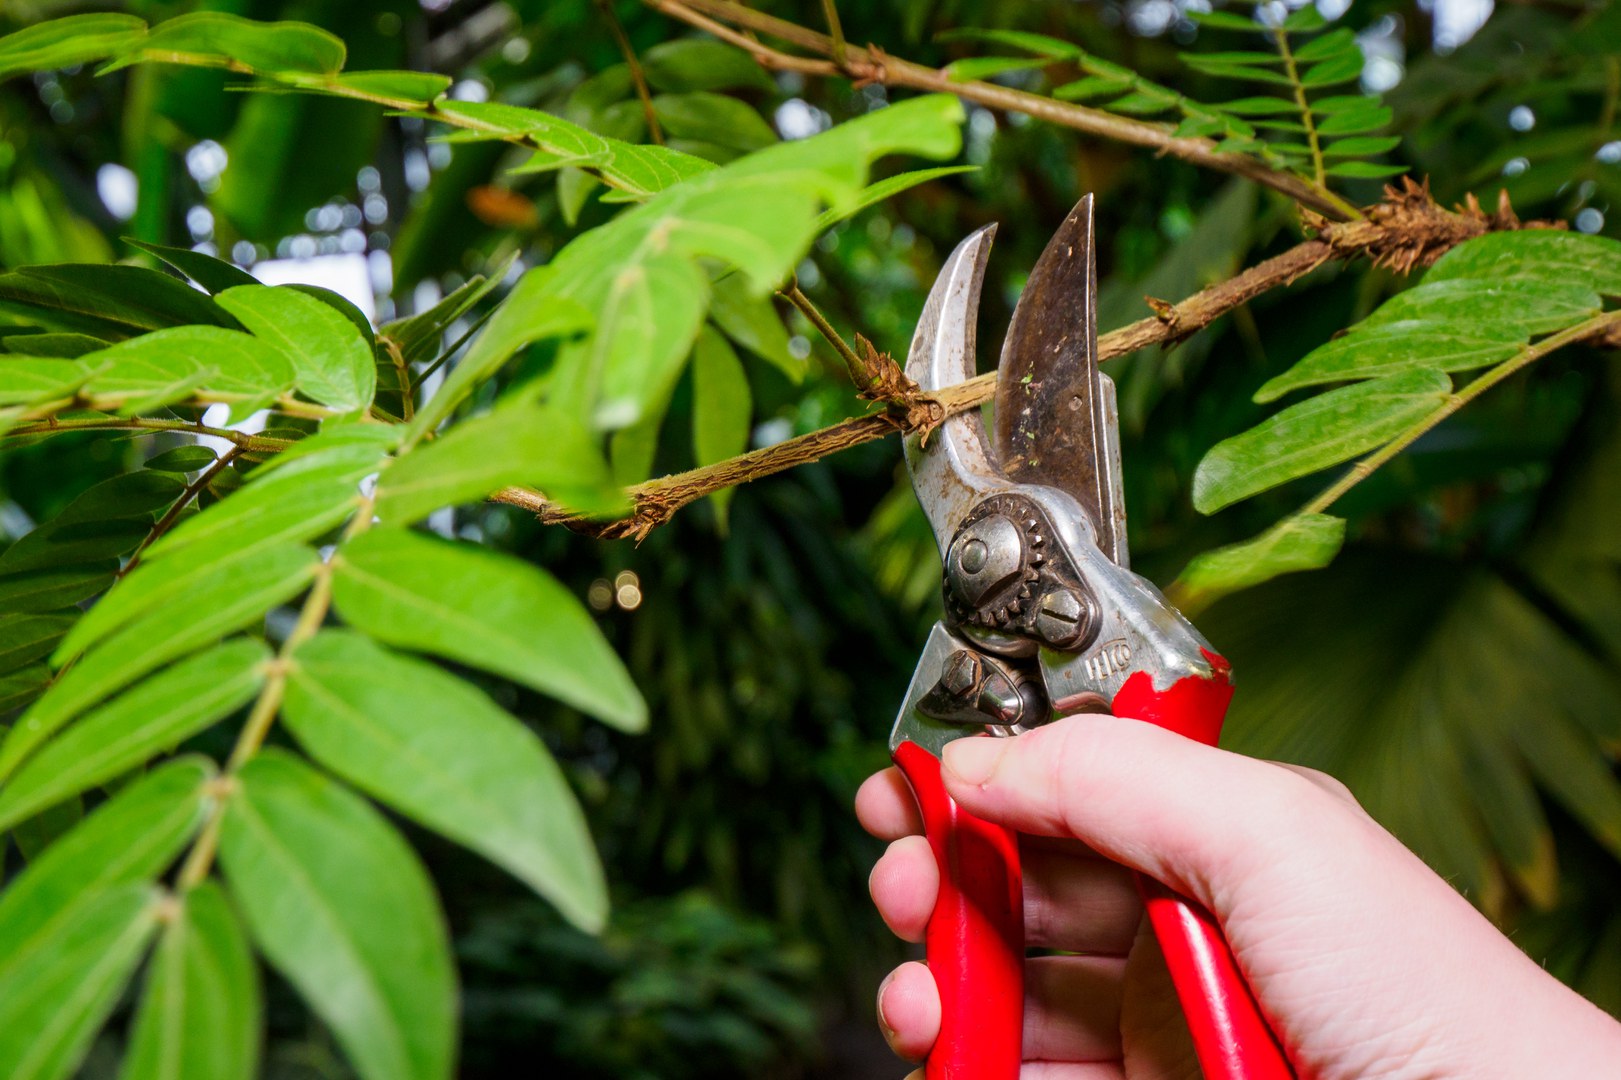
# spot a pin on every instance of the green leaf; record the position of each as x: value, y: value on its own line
x: 1241, y: 57
x: 75, y: 555
x: 1142, y: 104
x: 1323, y: 431
x: 56, y: 587
x: 1343, y: 68
x: 1362, y: 147
x: 36, y: 834
x: 1566, y: 761
x: 703, y: 64
x: 1386, y: 350
x: 65, y: 42
x: 1301, y: 542
x: 215, y: 275
x: 886, y: 188
x: 1354, y: 121
x: 1260, y: 106
x: 973, y: 68
x: 25, y: 380
x: 25, y: 636
x: 52, y: 1005
x: 487, y: 611
x: 331, y: 361
x: 157, y: 714
x: 639, y: 273
x: 752, y: 322
x: 174, y: 583
x: 1199, y: 126
x: 438, y: 751
x: 341, y: 906
x: 402, y: 89
x: 1365, y: 170
x: 1330, y: 44
x: 516, y: 444
x: 1231, y: 70
x: 200, y: 1013
x: 297, y: 495
x: 107, y: 302
x: 1506, y: 309
x: 1226, y: 20
x: 1303, y: 19
x: 218, y: 606
x: 1093, y: 86
x: 182, y: 459
x: 62, y: 346
x: 722, y: 406
x: 531, y: 312
x: 216, y: 39
x: 1341, y: 103
x: 170, y: 365
x: 130, y: 839
x: 1535, y: 255
x: 420, y: 336
x: 716, y: 119
x: 22, y: 686
x: 1039, y: 44
x: 364, y: 443
x: 639, y: 171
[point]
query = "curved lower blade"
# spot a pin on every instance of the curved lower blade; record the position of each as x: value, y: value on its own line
x: 1055, y: 414
x: 954, y: 468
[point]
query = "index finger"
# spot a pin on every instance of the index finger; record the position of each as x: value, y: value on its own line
x: 885, y: 806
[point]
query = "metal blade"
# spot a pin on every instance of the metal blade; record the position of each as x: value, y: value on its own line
x: 955, y: 467
x: 1055, y: 414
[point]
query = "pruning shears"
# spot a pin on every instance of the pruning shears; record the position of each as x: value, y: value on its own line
x: 1044, y: 619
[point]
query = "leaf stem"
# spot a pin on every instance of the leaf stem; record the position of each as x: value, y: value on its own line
x: 1281, y: 37
x: 402, y: 374
x: 166, y: 522
x: 1528, y: 355
x: 830, y: 11
x: 806, y: 307
x: 252, y: 444
x: 638, y: 77
x: 262, y: 717
x: 445, y: 356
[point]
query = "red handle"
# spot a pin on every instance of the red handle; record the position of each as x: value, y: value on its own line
x: 1231, y: 1037
x: 975, y: 938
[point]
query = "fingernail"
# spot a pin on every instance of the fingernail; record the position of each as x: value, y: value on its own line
x: 972, y: 761
x: 883, y: 1021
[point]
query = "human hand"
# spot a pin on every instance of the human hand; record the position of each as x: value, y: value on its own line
x: 1365, y: 962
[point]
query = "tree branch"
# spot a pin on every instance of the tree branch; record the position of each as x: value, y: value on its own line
x: 253, y: 444
x: 1406, y: 231
x: 728, y: 21
x: 638, y: 78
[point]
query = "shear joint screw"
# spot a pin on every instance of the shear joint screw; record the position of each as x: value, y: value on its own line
x: 974, y: 556
x: 962, y: 675
x: 1061, y: 618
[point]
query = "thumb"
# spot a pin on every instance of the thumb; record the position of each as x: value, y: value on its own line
x: 1192, y: 816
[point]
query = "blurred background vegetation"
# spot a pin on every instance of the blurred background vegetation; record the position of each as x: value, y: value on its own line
x: 1457, y: 666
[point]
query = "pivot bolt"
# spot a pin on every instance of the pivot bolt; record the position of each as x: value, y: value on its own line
x: 962, y: 675
x: 1061, y: 619
x: 974, y: 556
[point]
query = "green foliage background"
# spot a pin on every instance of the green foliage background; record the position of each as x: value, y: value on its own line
x: 1459, y: 664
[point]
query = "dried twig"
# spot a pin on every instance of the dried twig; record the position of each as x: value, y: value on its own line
x: 735, y: 23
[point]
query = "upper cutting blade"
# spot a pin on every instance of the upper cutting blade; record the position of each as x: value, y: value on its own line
x: 952, y: 467
x: 1055, y: 413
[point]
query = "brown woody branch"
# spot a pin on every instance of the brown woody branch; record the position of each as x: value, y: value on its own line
x: 1406, y: 231
x: 735, y: 23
